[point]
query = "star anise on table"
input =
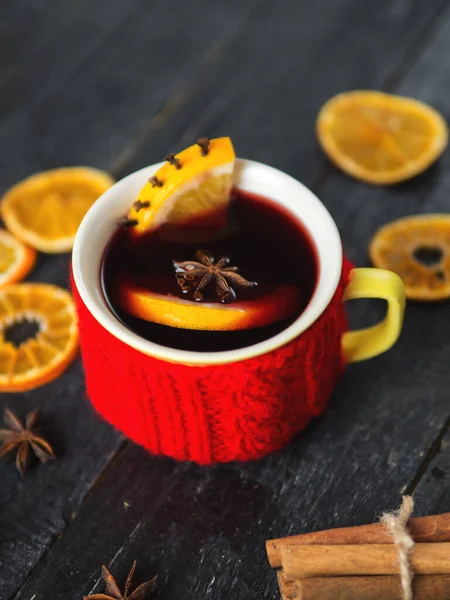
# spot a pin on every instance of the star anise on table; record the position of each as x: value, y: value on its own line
x: 113, y: 591
x: 22, y: 438
x: 197, y: 275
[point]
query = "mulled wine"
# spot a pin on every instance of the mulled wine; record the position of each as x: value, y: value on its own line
x: 261, y: 263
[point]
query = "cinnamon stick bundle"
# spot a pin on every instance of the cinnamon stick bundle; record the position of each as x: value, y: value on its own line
x: 362, y: 563
x: 423, y: 529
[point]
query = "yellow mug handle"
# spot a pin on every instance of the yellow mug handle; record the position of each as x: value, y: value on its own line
x: 368, y: 342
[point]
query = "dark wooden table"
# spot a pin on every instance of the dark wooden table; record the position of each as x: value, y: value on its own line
x: 118, y: 84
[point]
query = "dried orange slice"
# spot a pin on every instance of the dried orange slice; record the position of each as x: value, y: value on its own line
x: 16, y: 259
x: 418, y: 250
x: 46, y: 209
x: 173, y: 311
x: 380, y: 138
x: 49, y: 312
x: 193, y: 186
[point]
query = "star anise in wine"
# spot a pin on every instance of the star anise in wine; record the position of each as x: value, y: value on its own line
x: 113, y: 591
x: 23, y: 438
x: 197, y: 275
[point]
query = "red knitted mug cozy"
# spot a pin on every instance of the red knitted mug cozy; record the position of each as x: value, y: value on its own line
x: 212, y: 414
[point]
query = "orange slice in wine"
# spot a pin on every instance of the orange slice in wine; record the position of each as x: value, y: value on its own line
x: 173, y: 311
x: 192, y: 187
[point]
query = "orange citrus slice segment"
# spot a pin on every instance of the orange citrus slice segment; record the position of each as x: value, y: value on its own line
x: 193, y: 186
x: 28, y: 362
x: 16, y: 259
x: 418, y: 250
x: 187, y: 314
x: 380, y: 138
x: 46, y: 209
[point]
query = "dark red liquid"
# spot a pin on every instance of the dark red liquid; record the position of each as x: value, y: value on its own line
x: 266, y: 243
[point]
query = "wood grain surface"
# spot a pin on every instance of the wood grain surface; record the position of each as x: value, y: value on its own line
x: 116, y: 85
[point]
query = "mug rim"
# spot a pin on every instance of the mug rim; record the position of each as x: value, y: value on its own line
x: 248, y: 176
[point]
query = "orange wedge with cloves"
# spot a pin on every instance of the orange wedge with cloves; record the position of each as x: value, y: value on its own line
x: 192, y: 187
x: 174, y: 311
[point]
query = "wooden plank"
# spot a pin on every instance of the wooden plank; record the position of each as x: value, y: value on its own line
x: 204, y: 531
x: 35, y: 509
x: 417, y: 370
x: 89, y: 79
x: 48, y: 44
x: 205, y: 534
x: 76, y: 80
x: 266, y: 92
x: 146, y: 487
x: 432, y: 494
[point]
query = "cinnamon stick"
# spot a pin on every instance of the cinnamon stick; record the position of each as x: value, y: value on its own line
x: 423, y: 529
x: 287, y: 587
x: 381, y: 587
x: 362, y: 559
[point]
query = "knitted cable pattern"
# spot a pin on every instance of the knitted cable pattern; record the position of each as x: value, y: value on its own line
x: 214, y: 414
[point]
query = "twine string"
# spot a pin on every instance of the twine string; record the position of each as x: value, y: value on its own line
x: 396, y: 523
